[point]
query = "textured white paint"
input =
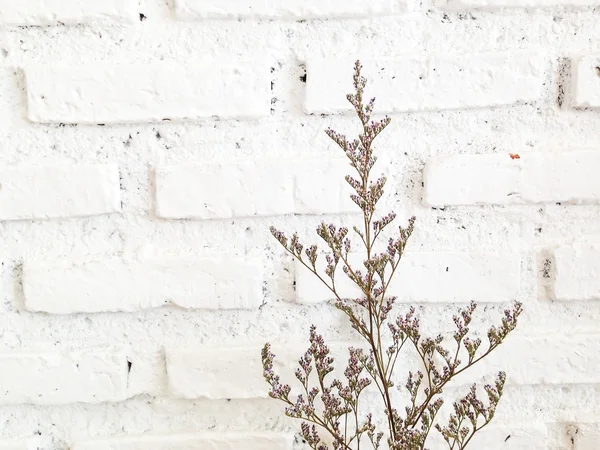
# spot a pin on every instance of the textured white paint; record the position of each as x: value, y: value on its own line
x: 213, y: 441
x: 425, y: 83
x: 236, y: 92
x: 53, y: 12
x: 297, y: 9
x: 110, y: 93
x: 217, y: 373
x: 254, y: 188
x: 13, y: 445
x: 541, y: 360
x: 320, y: 187
x: 427, y: 277
x: 516, y: 437
x: 90, y: 376
x: 502, y: 179
x: 586, y: 82
x: 491, y: 5
x: 132, y: 286
x: 237, y: 372
x: 584, y: 436
x: 52, y: 191
x: 577, y: 272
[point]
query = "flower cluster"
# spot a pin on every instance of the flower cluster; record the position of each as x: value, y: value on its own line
x: 331, y: 406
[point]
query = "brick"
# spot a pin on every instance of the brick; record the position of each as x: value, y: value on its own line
x: 13, y: 445
x: 583, y: 436
x: 505, y: 437
x: 113, y: 285
x: 212, y: 441
x: 290, y: 9
x: 498, y: 179
x: 492, y: 5
x: 427, y: 277
x: 214, y: 373
x: 541, y: 360
x: 129, y: 93
x: 320, y: 187
x: 33, y: 443
x: 586, y: 82
x: 58, y: 191
x: 214, y: 190
x: 424, y: 83
x: 89, y: 376
x: 252, y: 188
x: 69, y: 12
x: 577, y: 272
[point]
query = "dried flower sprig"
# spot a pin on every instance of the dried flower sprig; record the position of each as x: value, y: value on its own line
x: 332, y: 406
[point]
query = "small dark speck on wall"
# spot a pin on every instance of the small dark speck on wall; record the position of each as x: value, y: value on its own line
x: 142, y: 17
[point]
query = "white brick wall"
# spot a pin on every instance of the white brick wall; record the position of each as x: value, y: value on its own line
x: 576, y: 272
x: 428, y: 277
x: 114, y: 285
x: 104, y: 93
x: 216, y: 441
x: 515, y: 437
x: 89, y: 376
x: 528, y: 361
x: 216, y: 373
x: 53, y: 12
x: 48, y: 191
x: 426, y: 83
x: 299, y: 9
x: 268, y: 188
x: 147, y: 146
x: 492, y: 5
x: 502, y: 179
x: 586, y: 82
x: 583, y: 436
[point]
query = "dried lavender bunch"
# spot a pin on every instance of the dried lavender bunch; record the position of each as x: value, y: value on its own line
x: 332, y: 406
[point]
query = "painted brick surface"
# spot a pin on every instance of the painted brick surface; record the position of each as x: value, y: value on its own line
x: 55, y: 12
x: 425, y: 83
x: 515, y: 437
x: 90, y: 376
x: 576, y: 272
x: 147, y: 146
x: 138, y: 93
x: 545, y: 360
x: 428, y: 277
x: 502, y: 179
x: 252, y: 188
x: 58, y: 191
x: 583, y: 436
x: 586, y: 82
x: 13, y: 445
x: 292, y: 9
x: 114, y: 285
x: 216, y: 373
x: 214, y: 441
x: 493, y: 5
